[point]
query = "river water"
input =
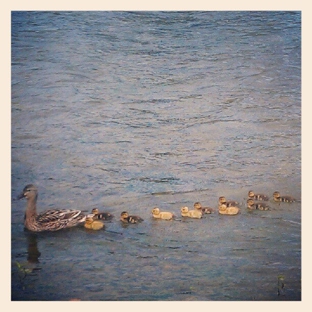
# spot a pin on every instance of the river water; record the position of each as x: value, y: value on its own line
x: 132, y: 110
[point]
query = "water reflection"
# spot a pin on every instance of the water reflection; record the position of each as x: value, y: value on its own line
x: 33, y: 253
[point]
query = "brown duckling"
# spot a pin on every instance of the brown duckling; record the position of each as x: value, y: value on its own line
x: 231, y: 210
x: 92, y: 224
x: 252, y: 195
x: 278, y: 198
x: 256, y: 205
x: 164, y: 215
x: 101, y: 215
x: 227, y: 203
x: 124, y: 217
x: 195, y: 214
x: 204, y: 210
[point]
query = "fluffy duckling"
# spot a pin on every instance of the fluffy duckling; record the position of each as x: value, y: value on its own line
x: 256, y: 205
x: 252, y: 195
x: 101, y: 215
x: 223, y: 209
x: 124, y: 217
x: 204, y: 210
x: 278, y: 198
x: 50, y: 220
x: 195, y: 214
x: 164, y: 215
x: 92, y: 224
x: 227, y: 203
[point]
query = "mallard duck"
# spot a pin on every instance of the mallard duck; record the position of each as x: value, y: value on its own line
x: 92, y: 224
x: 223, y: 209
x: 278, y: 198
x: 124, y: 217
x: 50, y: 220
x: 227, y: 203
x: 256, y: 205
x: 101, y: 215
x: 252, y: 195
x: 195, y: 214
x: 164, y: 215
x: 204, y: 210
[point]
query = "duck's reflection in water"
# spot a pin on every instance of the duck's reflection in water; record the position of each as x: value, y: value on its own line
x: 33, y: 253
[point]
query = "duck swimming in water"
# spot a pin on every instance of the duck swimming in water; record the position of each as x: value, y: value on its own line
x: 204, y: 210
x: 124, y: 217
x: 278, y: 198
x: 50, y: 220
x: 256, y: 205
x: 164, y: 215
x: 252, y: 195
x: 223, y: 209
x: 92, y: 224
x: 227, y: 203
x: 101, y: 215
x: 195, y: 214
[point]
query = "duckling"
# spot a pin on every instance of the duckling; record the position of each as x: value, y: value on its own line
x: 256, y: 205
x: 252, y: 195
x: 50, y: 220
x: 204, y: 210
x: 223, y: 209
x: 164, y: 215
x: 278, y: 198
x: 227, y: 203
x: 101, y: 215
x: 195, y: 214
x: 124, y: 217
x: 92, y: 224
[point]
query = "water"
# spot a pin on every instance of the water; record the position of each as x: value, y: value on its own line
x: 132, y: 110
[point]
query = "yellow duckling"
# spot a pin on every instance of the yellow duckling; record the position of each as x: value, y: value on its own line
x: 206, y: 210
x: 92, y: 224
x: 252, y: 195
x: 223, y: 209
x: 278, y: 198
x: 124, y: 217
x: 195, y: 214
x: 164, y: 215
x: 101, y: 215
x: 256, y: 205
x: 227, y: 203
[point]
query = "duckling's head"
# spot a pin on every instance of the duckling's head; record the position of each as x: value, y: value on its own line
x: 29, y: 191
x: 95, y: 211
x: 124, y: 214
x: 197, y: 205
x: 89, y: 220
x: 156, y: 211
x: 250, y: 202
x: 184, y: 209
x: 276, y: 194
x: 251, y: 194
x: 222, y: 200
x: 222, y: 207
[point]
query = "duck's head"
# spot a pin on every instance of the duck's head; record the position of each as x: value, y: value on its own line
x: 29, y: 191
x: 222, y: 207
x: 95, y: 211
x: 222, y: 200
x: 156, y: 211
x: 124, y: 214
x: 184, y: 209
x: 250, y: 202
x: 276, y: 194
x: 197, y: 205
x: 251, y: 194
x: 89, y: 220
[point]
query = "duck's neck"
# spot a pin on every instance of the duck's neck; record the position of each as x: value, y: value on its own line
x: 31, y: 208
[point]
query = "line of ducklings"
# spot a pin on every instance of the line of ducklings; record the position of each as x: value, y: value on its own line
x: 225, y: 207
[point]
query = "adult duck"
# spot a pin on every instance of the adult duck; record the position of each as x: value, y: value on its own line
x: 50, y: 220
